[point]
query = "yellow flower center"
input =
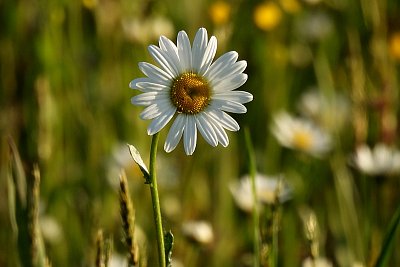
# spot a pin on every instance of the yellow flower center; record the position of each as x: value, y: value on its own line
x: 190, y: 93
x: 302, y: 140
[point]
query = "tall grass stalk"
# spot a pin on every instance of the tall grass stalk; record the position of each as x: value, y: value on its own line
x: 389, y: 240
x: 256, y: 212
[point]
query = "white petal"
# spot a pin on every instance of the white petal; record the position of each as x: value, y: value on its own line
x: 190, y: 135
x: 146, y: 85
x: 158, y: 123
x: 175, y: 133
x: 219, y: 130
x: 170, y: 49
x: 220, y: 64
x: 229, y: 71
x: 228, y: 106
x: 148, y: 98
x: 134, y: 83
x: 155, y: 110
x: 155, y: 73
x: 184, y: 51
x: 206, y: 130
x: 199, y: 48
x: 225, y: 120
x: 236, y: 96
x: 208, y: 55
x: 165, y: 62
x: 230, y: 84
x: 364, y: 159
x: 150, y: 112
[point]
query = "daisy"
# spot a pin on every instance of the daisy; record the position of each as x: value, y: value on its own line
x: 379, y: 160
x: 316, y: 262
x: 269, y: 189
x: 300, y: 134
x: 191, y: 88
x: 331, y: 111
x: 198, y: 231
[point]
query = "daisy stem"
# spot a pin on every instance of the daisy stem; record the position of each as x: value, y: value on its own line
x: 156, y: 201
x: 256, y: 214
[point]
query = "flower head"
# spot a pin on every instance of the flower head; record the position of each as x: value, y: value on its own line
x: 189, y: 86
x: 377, y: 161
x: 317, y: 262
x: 267, y: 16
x: 394, y: 45
x: 269, y: 190
x: 219, y: 12
x: 300, y: 134
x: 331, y: 111
x: 198, y: 231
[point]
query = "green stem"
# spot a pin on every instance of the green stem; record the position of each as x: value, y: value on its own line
x: 256, y: 214
x: 156, y: 201
x: 275, y: 228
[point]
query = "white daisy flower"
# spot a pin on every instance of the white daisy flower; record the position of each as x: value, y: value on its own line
x: 379, y: 160
x: 189, y: 87
x: 330, y: 111
x: 300, y: 134
x: 317, y: 262
x: 198, y: 231
x: 269, y: 189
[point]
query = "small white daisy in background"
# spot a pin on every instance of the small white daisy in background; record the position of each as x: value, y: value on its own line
x: 268, y: 188
x: 193, y: 89
x: 314, y: 26
x: 118, y: 260
x: 329, y: 111
x: 51, y: 229
x: 300, y: 134
x: 316, y: 262
x: 144, y: 30
x: 198, y: 231
x: 379, y: 160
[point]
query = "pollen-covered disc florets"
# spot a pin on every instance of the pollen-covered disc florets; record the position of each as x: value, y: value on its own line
x: 190, y: 93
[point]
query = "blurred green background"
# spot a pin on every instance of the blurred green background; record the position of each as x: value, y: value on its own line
x: 65, y: 67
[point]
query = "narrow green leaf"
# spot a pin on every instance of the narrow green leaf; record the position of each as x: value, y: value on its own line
x: 169, y: 243
x: 387, y: 246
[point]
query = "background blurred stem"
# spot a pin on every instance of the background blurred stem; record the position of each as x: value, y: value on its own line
x: 256, y: 214
x: 156, y: 201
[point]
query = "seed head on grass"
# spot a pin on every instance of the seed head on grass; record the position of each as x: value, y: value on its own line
x: 128, y: 220
x: 36, y: 241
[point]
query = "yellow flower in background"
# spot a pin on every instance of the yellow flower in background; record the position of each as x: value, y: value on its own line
x: 267, y: 16
x: 290, y: 6
x: 90, y: 4
x: 220, y: 12
x: 394, y: 45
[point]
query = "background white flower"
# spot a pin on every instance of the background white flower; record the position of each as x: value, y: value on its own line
x: 381, y: 159
x: 198, y: 231
x: 331, y: 111
x: 268, y: 188
x: 190, y: 87
x: 317, y: 262
x: 300, y: 134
